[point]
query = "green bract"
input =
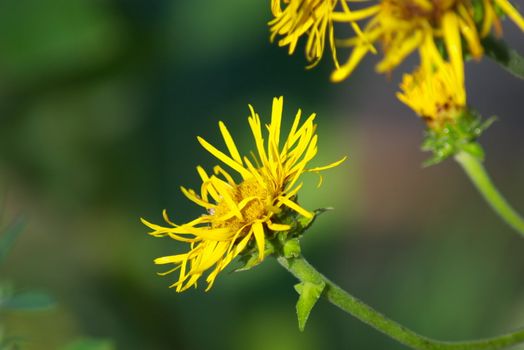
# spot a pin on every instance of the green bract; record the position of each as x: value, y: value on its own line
x: 456, y: 137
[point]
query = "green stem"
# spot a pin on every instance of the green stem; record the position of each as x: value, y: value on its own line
x: 302, y: 270
x: 478, y: 175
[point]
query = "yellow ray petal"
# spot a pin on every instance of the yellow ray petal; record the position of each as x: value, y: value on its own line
x: 511, y: 12
x: 450, y: 26
x: 224, y: 158
x: 329, y: 166
x: 192, y: 196
x: 219, y: 171
x: 226, y: 195
x: 292, y: 205
x: 205, y: 185
x: 354, y: 15
x: 346, y: 69
x: 258, y: 231
x: 230, y: 144
x: 172, y: 259
x: 254, y: 123
x: 276, y: 118
x: 394, y: 56
x: 278, y: 227
x: 489, y: 15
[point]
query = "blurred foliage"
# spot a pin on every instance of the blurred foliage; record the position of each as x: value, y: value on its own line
x: 10, y: 298
x: 89, y: 344
x: 8, y: 237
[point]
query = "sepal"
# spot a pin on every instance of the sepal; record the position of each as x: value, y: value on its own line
x: 250, y: 259
x: 456, y: 137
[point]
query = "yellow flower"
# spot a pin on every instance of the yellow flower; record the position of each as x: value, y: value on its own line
x: 313, y: 18
x: 402, y: 26
x: 434, y: 91
x: 244, y: 212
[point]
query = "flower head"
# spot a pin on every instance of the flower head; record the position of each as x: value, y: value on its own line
x: 313, y: 18
x: 402, y: 26
x: 242, y: 213
x: 437, y: 95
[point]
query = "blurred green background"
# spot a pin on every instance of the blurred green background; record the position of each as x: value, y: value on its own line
x: 100, y: 106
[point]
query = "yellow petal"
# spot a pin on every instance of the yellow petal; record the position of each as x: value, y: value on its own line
x: 192, y: 196
x: 258, y: 231
x: 278, y: 227
x: 206, y: 187
x: 173, y: 259
x: 292, y: 205
x: 394, y: 56
x: 346, y: 69
x: 356, y: 15
x: 224, y: 158
x: 254, y: 123
x: 276, y: 118
x: 329, y: 166
x: 230, y: 144
x: 225, y: 193
x: 450, y: 26
x: 219, y: 171
x: 489, y: 15
x: 511, y: 12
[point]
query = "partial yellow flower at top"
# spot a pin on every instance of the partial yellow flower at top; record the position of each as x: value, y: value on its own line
x: 402, y: 26
x: 312, y: 18
x: 241, y: 213
x: 435, y: 92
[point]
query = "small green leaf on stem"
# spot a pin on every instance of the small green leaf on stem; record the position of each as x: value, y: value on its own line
x: 309, y: 294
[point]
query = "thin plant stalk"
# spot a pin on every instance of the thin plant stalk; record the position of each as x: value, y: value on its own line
x: 303, y: 271
x: 480, y: 178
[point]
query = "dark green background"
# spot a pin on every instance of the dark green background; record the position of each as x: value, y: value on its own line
x: 100, y: 106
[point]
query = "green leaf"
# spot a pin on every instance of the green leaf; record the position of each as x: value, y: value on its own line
x: 7, y: 239
x: 309, y: 294
x: 508, y: 58
x: 32, y: 300
x: 90, y: 344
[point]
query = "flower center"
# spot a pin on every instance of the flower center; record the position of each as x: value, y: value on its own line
x: 430, y: 10
x: 253, y: 200
x: 445, y: 112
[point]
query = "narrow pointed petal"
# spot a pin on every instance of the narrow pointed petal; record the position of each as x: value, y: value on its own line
x: 224, y: 158
x: 511, y: 12
x: 230, y: 144
x: 258, y: 231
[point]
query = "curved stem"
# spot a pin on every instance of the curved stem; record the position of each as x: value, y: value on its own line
x: 478, y: 175
x: 302, y: 270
